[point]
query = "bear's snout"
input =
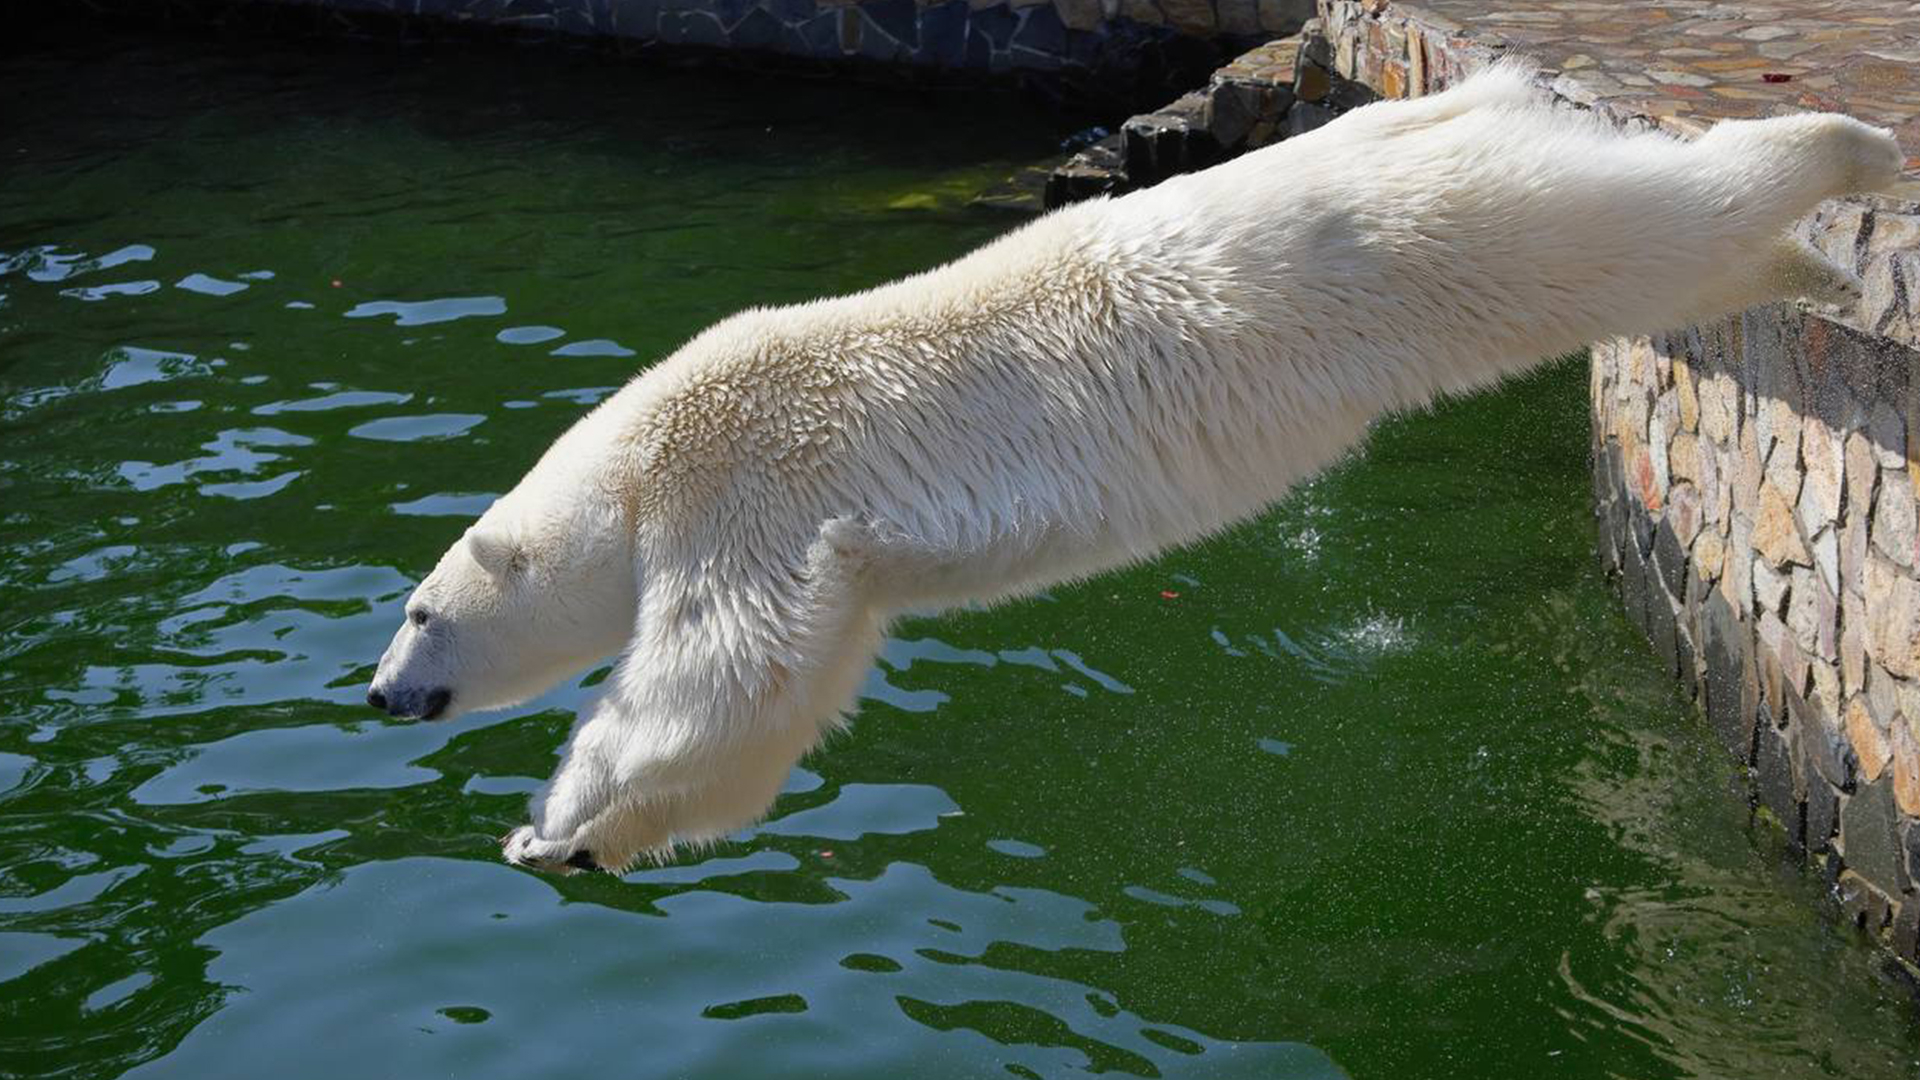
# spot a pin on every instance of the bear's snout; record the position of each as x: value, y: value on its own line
x: 428, y: 706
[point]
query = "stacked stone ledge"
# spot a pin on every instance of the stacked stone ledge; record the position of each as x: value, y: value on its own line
x: 1269, y: 93
x: 1756, y: 502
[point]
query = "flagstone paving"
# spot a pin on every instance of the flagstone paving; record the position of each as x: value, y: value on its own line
x: 1680, y: 63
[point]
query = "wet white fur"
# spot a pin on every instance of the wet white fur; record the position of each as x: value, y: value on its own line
x: 742, y: 521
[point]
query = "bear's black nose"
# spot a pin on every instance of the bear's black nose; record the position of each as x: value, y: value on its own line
x: 377, y: 699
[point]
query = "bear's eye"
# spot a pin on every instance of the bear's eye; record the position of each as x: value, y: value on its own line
x: 419, y: 616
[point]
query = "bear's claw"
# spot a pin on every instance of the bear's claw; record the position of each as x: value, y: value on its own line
x: 523, y: 847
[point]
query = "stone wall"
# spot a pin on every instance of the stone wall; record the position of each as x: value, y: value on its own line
x: 1756, y: 501
x: 1755, y: 479
x: 1116, y: 45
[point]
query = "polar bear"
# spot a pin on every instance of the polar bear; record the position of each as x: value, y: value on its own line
x: 741, y: 521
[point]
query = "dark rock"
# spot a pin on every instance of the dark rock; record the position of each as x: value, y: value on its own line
x: 700, y: 29
x: 1155, y: 146
x: 636, y: 18
x: 943, y: 34
x: 1608, y: 515
x: 1910, y: 842
x: 997, y: 24
x: 1830, y: 756
x: 1879, y: 912
x: 1905, y: 939
x: 1306, y: 116
x: 539, y: 11
x: 1605, y: 552
x: 1169, y: 142
x: 1312, y: 82
x: 1685, y: 664
x: 1869, y: 839
x: 758, y: 30
x: 692, y: 28
x: 792, y: 12
x: 1834, y: 389
x: 1316, y: 46
x: 728, y: 12
x: 1184, y: 61
x: 852, y: 27
x: 898, y: 19
x: 1070, y: 186
x: 1641, y: 528
x: 1233, y: 108
x: 878, y: 45
x: 979, y: 49
x: 1097, y: 170
x: 1892, y: 363
x: 1662, y: 626
x: 1671, y: 560
x: 581, y: 19
x: 1034, y: 60
x: 1830, y: 869
x: 1087, y: 48
x: 1723, y: 639
x: 1040, y: 30
x: 1750, y: 704
x: 1773, y: 779
x: 1347, y: 94
x: 1852, y: 893
x: 1823, y: 817
x: 1633, y: 566
x: 820, y: 35
x: 1622, y: 509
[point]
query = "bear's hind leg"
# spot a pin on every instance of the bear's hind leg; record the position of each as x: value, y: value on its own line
x: 1782, y: 167
x: 1798, y: 269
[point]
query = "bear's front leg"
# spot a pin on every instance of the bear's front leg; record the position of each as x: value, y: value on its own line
x: 728, y: 681
x: 580, y: 812
x: 603, y: 813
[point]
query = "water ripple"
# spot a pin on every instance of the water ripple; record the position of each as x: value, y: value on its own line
x: 427, y: 312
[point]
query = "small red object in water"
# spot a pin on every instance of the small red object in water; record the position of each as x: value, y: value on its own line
x: 1168, y: 594
x: 336, y: 283
x: 1775, y: 76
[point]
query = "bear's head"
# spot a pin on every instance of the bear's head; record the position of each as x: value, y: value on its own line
x: 521, y: 601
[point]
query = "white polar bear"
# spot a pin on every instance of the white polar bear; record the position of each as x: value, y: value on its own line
x: 741, y: 521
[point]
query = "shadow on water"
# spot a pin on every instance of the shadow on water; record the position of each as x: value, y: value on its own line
x: 1381, y: 779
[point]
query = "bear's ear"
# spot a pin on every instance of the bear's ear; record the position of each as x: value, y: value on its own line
x: 494, y: 549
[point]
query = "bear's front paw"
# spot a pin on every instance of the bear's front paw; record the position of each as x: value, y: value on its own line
x: 523, y: 847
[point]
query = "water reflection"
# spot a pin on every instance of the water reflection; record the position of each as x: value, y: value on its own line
x: 528, y: 335
x: 208, y: 285
x: 416, y: 428
x: 426, y: 312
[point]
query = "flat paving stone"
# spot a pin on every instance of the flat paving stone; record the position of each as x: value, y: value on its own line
x: 1686, y: 63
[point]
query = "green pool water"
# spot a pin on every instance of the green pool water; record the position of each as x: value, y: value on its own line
x: 1380, y: 785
